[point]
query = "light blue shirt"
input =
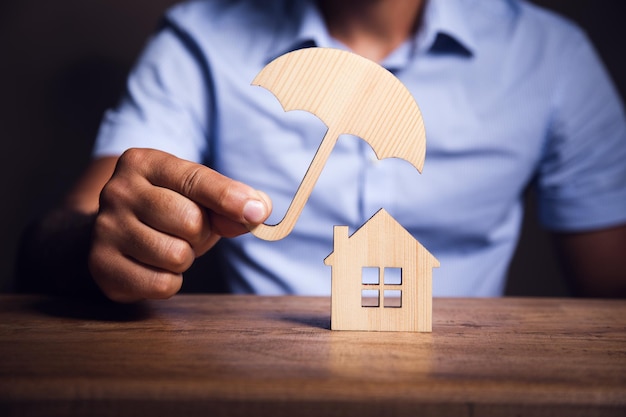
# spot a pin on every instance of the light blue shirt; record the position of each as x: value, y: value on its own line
x: 510, y: 94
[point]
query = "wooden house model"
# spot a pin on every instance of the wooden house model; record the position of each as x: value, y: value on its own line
x: 381, y: 278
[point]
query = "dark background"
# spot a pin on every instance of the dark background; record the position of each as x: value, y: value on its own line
x: 63, y: 62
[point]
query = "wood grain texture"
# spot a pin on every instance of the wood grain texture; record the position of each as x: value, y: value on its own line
x: 381, y: 243
x: 351, y: 95
x: 247, y: 355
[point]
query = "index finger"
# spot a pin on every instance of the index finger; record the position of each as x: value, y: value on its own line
x: 220, y: 194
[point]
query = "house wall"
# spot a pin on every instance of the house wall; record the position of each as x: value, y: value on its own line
x: 381, y: 243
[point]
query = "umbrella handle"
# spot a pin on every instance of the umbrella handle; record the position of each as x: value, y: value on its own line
x: 286, y: 225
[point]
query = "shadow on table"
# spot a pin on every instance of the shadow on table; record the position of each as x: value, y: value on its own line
x: 319, y: 322
x: 93, y: 309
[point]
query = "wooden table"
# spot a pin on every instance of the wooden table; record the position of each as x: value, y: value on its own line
x: 246, y: 355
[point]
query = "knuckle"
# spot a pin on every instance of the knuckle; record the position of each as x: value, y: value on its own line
x: 192, y: 220
x: 99, y: 263
x: 190, y: 180
x: 164, y: 285
x: 132, y: 157
x: 105, y: 238
x: 103, y: 225
x: 114, y: 192
x: 179, y: 256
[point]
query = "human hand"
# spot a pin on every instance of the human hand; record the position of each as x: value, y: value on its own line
x: 157, y: 214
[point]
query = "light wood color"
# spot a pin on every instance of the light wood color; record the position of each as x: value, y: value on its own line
x: 351, y: 95
x: 381, y: 243
x: 275, y: 356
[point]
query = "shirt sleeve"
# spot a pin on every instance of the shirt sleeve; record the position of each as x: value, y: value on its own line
x: 166, y: 104
x: 582, y: 177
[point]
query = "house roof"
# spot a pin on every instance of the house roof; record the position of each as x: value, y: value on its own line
x: 386, y: 231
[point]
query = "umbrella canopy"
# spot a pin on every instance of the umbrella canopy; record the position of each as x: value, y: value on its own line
x: 351, y: 95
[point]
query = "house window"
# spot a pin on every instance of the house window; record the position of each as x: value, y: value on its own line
x: 381, y: 291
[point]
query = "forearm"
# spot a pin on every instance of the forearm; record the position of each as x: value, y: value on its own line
x: 53, y: 255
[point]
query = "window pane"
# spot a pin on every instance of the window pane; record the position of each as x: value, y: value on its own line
x: 370, y: 298
x: 370, y: 275
x: 393, y: 298
x: 392, y: 276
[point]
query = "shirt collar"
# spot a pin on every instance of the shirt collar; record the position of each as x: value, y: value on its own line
x: 313, y: 27
x: 445, y: 29
x: 310, y: 31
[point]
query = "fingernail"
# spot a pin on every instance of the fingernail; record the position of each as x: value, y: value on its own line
x: 254, y: 211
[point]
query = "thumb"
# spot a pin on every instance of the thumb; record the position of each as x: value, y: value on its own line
x: 255, y: 211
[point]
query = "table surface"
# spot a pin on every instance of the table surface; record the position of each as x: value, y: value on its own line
x: 248, y: 355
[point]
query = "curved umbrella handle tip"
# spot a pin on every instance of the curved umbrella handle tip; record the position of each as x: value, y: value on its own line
x: 269, y: 232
